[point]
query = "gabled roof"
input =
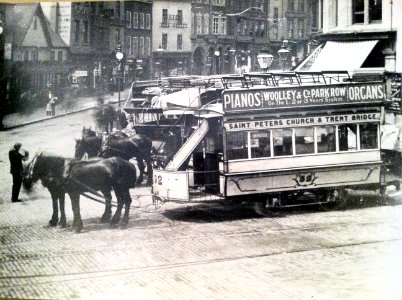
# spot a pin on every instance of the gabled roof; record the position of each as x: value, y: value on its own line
x: 23, y: 17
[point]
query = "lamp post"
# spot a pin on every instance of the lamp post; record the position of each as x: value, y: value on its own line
x: 159, y: 52
x: 217, y: 54
x: 265, y: 60
x: 283, y: 53
x: 119, y: 57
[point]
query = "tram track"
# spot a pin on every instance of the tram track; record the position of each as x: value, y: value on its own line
x: 98, y: 245
x: 78, y: 276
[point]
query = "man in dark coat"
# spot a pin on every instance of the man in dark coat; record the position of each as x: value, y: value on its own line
x: 16, y: 169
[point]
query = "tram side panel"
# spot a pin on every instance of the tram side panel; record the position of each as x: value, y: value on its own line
x: 301, y: 179
x: 342, y: 151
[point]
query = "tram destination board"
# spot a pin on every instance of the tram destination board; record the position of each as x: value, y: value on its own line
x: 301, y: 96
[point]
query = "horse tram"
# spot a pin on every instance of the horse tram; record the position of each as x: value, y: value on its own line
x: 275, y: 140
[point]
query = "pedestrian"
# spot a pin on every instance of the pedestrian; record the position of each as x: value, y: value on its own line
x: 48, y: 109
x: 16, y: 169
x: 53, y: 105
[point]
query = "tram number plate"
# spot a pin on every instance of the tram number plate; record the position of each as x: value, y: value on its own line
x: 158, y: 179
x: 305, y: 179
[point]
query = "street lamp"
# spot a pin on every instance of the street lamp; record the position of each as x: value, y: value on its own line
x: 265, y: 59
x: 119, y: 57
x: 283, y: 53
x: 217, y: 53
x: 159, y: 52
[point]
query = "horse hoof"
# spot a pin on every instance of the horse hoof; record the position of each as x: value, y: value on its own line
x: 105, y: 219
x: 53, y: 223
x: 114, y: 225
x: 62, y: 224
x: 123, y: 226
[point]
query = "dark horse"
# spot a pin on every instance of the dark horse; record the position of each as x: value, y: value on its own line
x: 77, y: 177
x: 138, y: 146
x: 90, y: 146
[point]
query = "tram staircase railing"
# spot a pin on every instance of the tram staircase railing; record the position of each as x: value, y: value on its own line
x: 188, y: 147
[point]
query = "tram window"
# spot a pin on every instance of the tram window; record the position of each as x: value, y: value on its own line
x: 260, y: 144
x: 304, y: 140
x: 347, y: 137
x: 326, y: 141
x: 368, y: 136
x: 282, y: 142
x: 236, y: 145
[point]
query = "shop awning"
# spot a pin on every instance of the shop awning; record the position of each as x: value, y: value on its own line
x: 343, y: 55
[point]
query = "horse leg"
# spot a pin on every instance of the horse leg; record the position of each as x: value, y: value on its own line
x: 62, y: 222
x: 75, y: 204
x: 108, y: 206
x: 141, y: 167
x: 55, y: 216
x: 127, y: 203
x: 117, y: 215
x: 148, y: 161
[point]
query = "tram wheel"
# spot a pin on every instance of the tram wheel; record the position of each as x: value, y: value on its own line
x: 334, y: 200
x: 261, y: 208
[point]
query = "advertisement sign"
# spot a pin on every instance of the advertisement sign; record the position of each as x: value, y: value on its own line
x: 257, y: 99
x: 302, y: 121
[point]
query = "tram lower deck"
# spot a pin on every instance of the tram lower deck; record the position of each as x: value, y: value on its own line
x: 262, y: 148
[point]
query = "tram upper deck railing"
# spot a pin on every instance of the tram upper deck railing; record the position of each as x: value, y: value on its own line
x: 283, y: 79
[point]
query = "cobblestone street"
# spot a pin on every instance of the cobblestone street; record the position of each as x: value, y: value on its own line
x: 190, y: 251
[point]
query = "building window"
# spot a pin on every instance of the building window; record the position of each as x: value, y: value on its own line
x: 164, y: 17
x: 129, y: 19
x: 135, y: 20
x: 148, y: 21
x: 86, y: 32
x: 77, y: 32
x: 148, y: 46
x: 142, y: 46
x: 35, y: 54
x: 179, y: 20
x: 60, y: 55
x: 276, y: 13
x: 290, y: 28
x: 142, y: 20
x: 179, y: 42
x: 117, y: 10
x: 117, y: 36
x: 199, y: 23
x: 222, y: 26
x: 129, y: 45
x: 301, y: 6
x: 52, y: 56
x: 375, y: 10
x: 206, y: 23
x: 135, y: 46
x: 301, y: 28
x: 366, y: 11
x: 291, y: 5
x: 358, y: 11
x: 164, y: 41
x: 215, y: 25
